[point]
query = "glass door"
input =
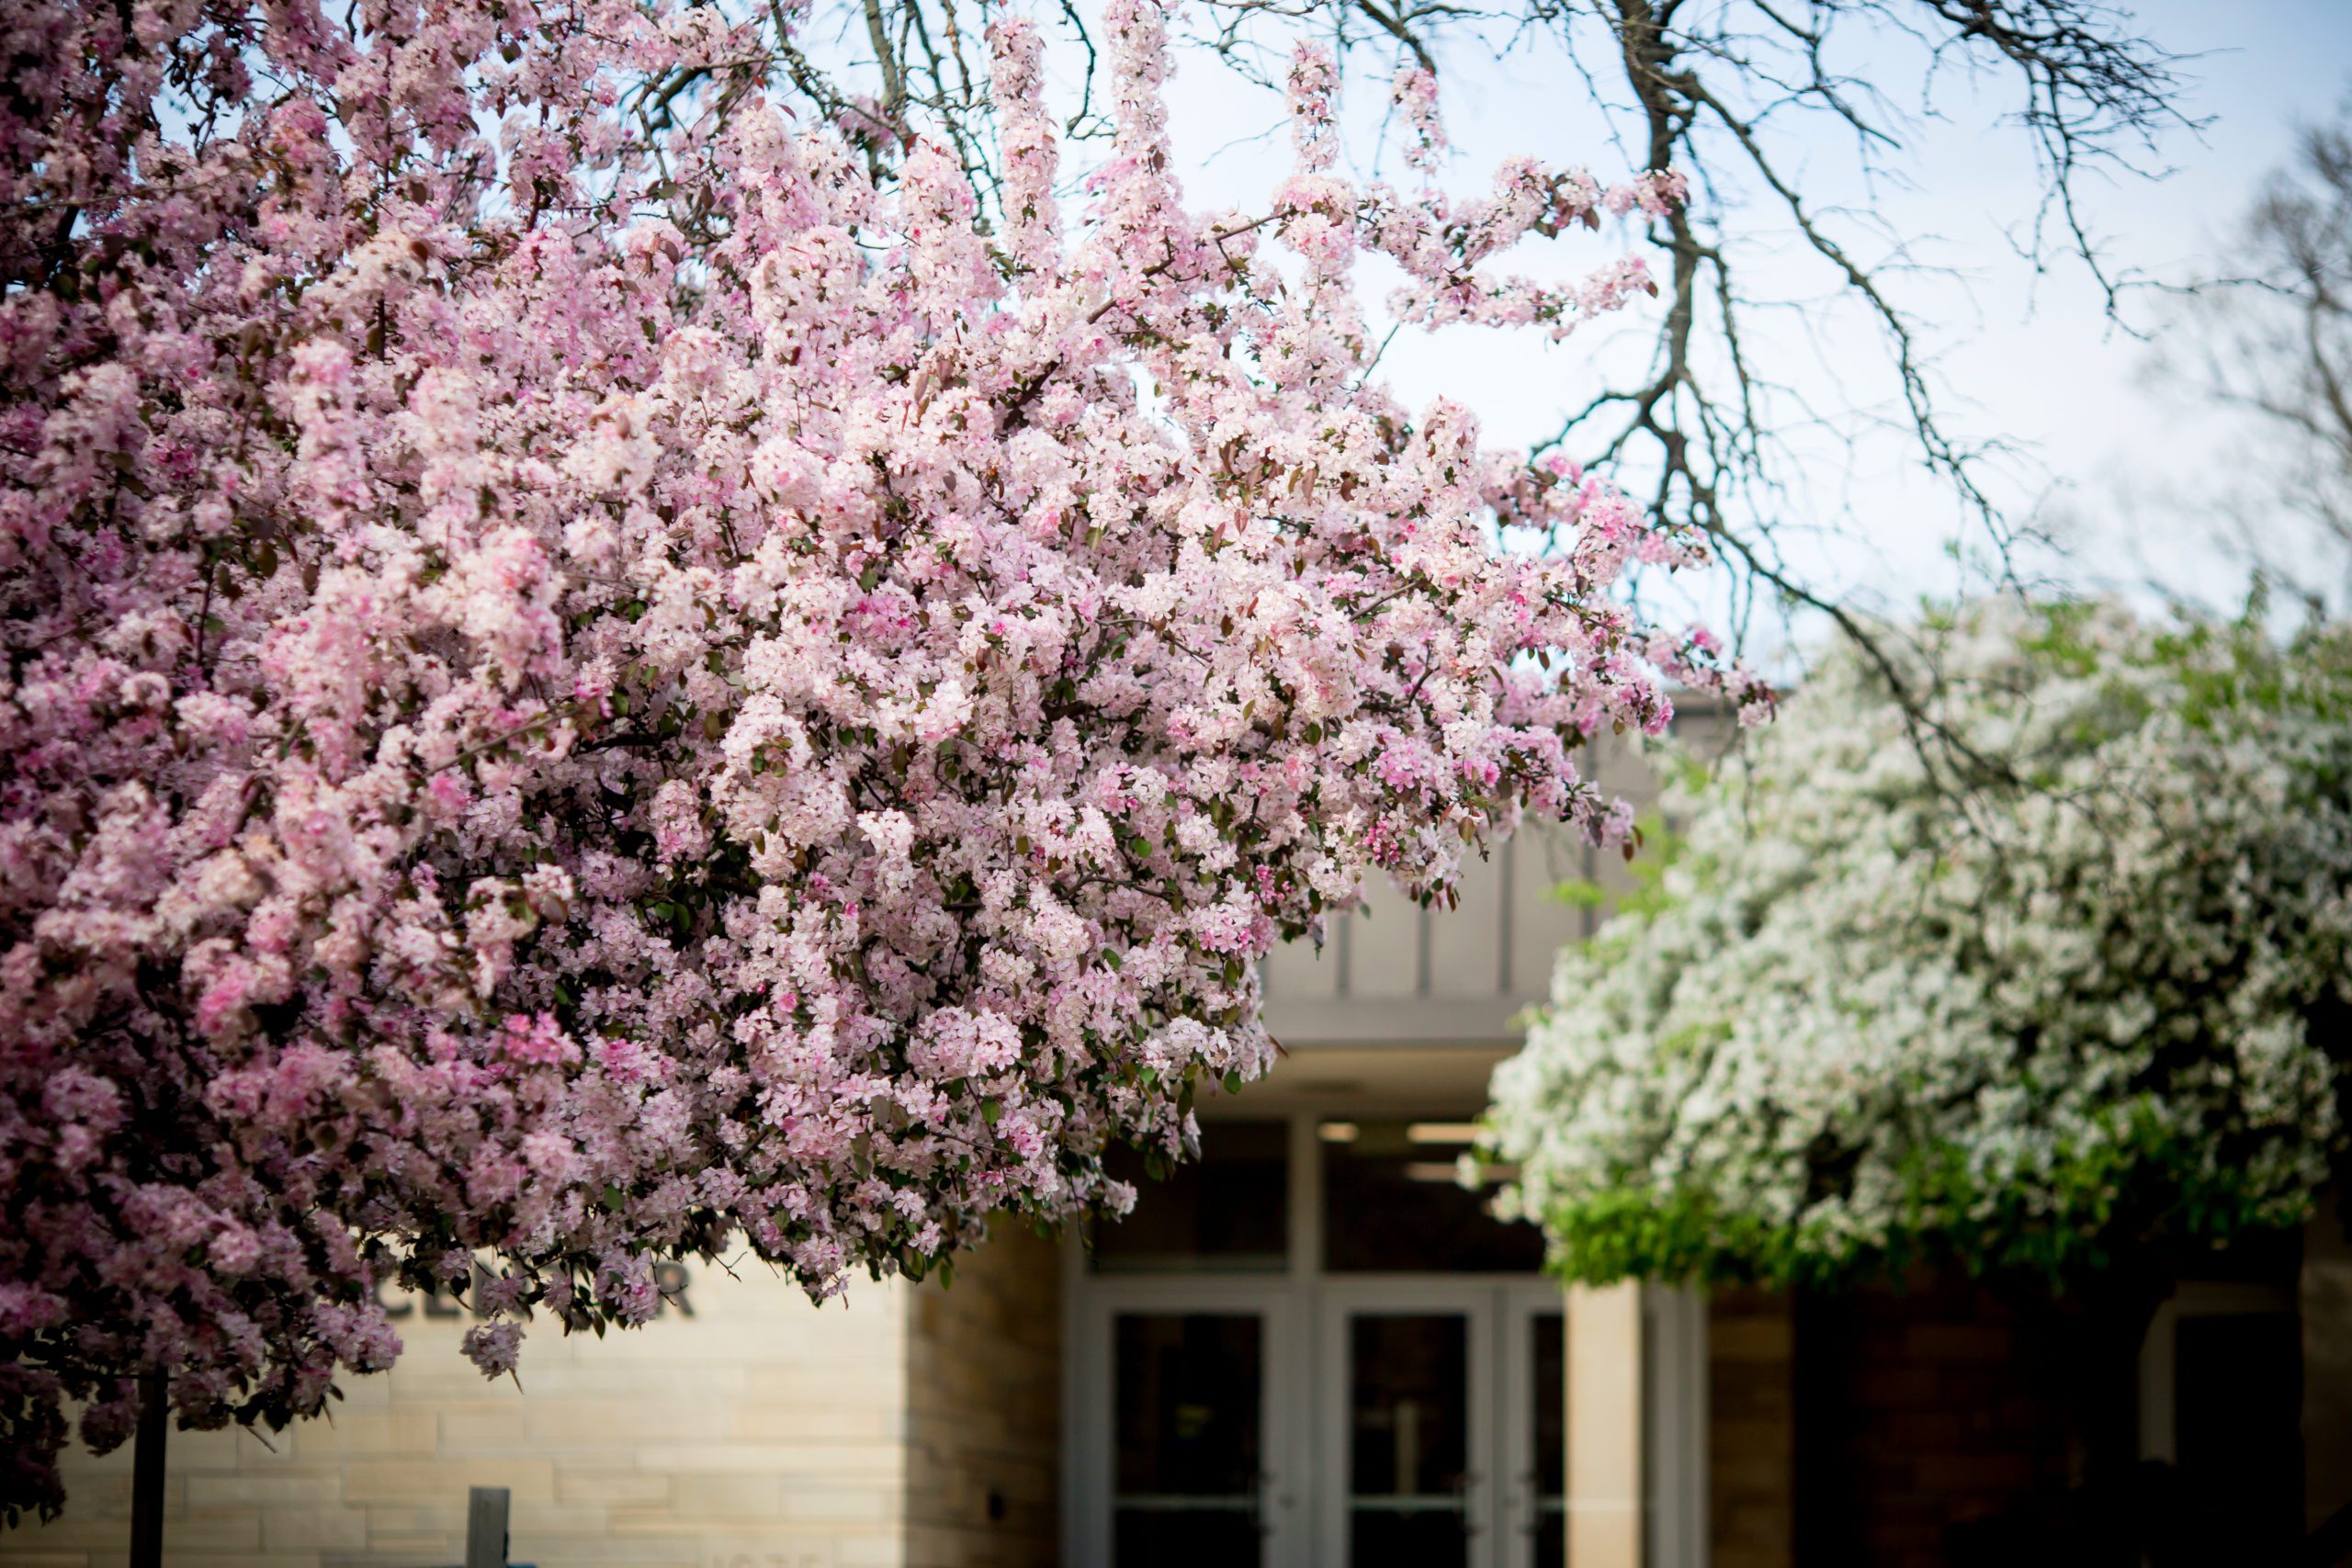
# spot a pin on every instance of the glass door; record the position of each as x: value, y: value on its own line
x: 1188, y: 1419
x: 1186, y: 1444
x: 1408, y: 1372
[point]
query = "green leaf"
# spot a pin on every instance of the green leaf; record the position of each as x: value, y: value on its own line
x: 1577, y: 893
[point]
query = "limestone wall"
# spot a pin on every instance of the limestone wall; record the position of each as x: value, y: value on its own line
x: 744, y: 1428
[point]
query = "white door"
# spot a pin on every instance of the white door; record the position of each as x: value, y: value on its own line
x: 1190, y: 1450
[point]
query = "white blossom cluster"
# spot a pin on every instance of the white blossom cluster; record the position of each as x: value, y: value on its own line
x: 2051, y: 973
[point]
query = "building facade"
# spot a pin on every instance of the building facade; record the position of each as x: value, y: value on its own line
x: 1313, y: 1349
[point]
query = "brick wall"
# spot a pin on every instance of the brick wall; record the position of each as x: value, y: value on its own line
x: 1860, y: 1428
x: 1751, y: 1430
x: 984, y: 1409
x: 2325, y: 1302
x: 1917, y: 1410
x: 743, y: 1430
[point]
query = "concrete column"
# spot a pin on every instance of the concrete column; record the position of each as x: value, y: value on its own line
x: 1604, y: 1427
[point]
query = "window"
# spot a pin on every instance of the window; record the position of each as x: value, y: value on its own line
x: 1394, y: 1204
x: 1227, y: 1212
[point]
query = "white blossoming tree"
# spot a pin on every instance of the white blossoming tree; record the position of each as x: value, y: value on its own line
x: 2053, y: 991
x: 2061, y: 988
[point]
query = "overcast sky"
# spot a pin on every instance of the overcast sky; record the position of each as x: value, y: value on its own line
x: 2107, y: 445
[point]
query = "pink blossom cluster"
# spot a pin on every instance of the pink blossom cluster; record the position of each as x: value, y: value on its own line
x: 585, y: 679
x: 1442, y: 244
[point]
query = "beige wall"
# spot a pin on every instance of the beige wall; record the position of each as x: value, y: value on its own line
x: 744, y: 1428
x: 758, y: 1432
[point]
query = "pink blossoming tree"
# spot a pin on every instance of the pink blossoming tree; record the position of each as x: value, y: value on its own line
x: 587, y: 677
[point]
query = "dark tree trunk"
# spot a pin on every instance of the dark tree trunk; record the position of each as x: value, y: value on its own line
x: 147, y: 1473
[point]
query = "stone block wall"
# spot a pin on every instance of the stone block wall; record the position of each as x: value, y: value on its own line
x: 742, y: 1428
